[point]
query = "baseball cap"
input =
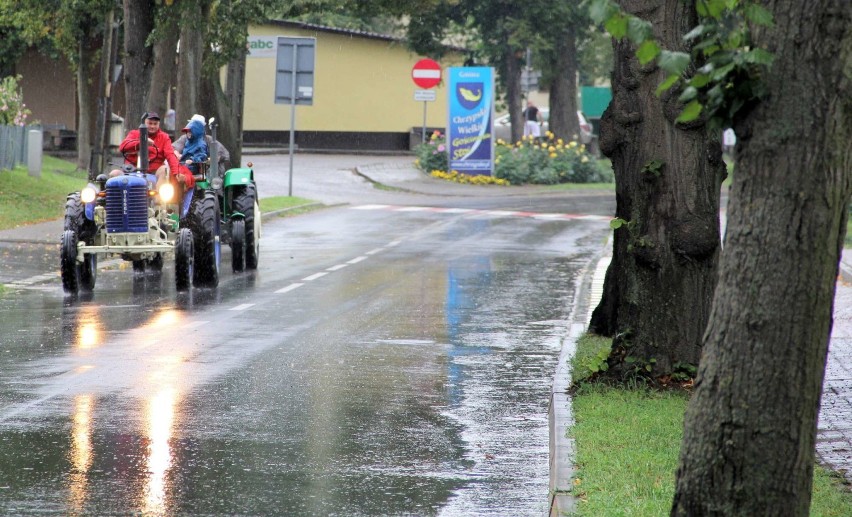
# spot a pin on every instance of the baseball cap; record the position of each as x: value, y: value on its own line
x: 153, y: 115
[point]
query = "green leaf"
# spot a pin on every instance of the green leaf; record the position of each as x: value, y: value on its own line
x: 715, y: 8
x: 617, y: 26
x: 673, y: 62
x: 699, y: 80
x: 647, y: 51
x: 616, y: 223
x: 694, y: 33
x: 638, y: 30
x: 759, y: 56
x: 689, y: 93
x: 690, y: 112
x: 758, y: 14
x: 668, y: 83
x: 600, y: 10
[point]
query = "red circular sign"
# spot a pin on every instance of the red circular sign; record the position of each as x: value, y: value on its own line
x: 426, y: 73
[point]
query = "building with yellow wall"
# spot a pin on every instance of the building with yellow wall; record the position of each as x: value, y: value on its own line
x: 363, y: 94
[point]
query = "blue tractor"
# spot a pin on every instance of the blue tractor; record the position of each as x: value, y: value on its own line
x: 126, y: 216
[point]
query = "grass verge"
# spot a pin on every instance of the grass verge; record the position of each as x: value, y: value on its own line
x: 627, y: 445
x: 28, y: 200
x: 293, y: 205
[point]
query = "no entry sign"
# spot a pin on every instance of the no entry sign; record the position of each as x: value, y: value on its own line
x: 426, y: 73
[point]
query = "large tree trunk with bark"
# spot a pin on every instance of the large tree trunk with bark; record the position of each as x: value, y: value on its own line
x: 748, y: 445
x: 87, y: 94
x: 165, y: 64
x: 235, y: 98
x: 138, y: 58
x: 189, y: 66
x: 563, y: 121
x: 659, y: 285
x: 512, y: 66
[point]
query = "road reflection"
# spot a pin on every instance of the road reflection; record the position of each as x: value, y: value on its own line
x: 159, y: 425
x: 80, y: 453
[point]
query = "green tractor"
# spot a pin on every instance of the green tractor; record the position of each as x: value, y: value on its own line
x: 238, y: 204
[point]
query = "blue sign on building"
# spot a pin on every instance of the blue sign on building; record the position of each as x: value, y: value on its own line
x: 469, y: 124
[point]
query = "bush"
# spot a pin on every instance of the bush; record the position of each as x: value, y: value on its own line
x: 432, y: 156
x: 547, y: 160
x: 13, y: 111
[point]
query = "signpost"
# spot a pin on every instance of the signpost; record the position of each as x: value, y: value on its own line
x: 426, y: 74
x: 294, y: 81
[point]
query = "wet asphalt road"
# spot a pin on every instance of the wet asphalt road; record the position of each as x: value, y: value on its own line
x: 385, y: 359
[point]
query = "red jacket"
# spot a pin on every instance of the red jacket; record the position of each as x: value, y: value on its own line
x: 156, y: 155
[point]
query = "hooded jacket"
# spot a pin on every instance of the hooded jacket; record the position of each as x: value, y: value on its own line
x: 196, y: 146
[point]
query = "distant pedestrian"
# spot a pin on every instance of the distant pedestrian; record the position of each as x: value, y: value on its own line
x: 532, y: 120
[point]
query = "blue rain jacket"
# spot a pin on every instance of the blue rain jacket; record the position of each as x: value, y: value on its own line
x: 196, y: 147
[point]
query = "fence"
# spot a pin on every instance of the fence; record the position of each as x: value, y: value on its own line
x: 13, y: 146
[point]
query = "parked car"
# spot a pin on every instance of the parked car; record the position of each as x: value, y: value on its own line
x: 503, y: 128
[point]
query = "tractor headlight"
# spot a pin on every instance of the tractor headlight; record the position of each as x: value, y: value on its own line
x: 216, y: 183
x: 167, y: 192
x: 88, y: 194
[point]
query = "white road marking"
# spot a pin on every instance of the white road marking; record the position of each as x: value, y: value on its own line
x: 242, y: 307
x: 357, y: 259
x: 193, y: 324
x: 337, y: 267
x: 289, y: 288
x: 373, y: 252
x: 314, y: 276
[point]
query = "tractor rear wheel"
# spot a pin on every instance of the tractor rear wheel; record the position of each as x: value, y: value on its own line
x: 184, y: 259
x: 68, y: 262
x: 238, y: 245
x: 246, y: 203
x: 205, y: 229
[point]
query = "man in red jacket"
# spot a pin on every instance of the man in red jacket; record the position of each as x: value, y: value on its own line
x: 160, y: 152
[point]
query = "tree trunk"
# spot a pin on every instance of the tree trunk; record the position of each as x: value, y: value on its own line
x: 659, y: 286
x: 138, y: 58
x: 235, y: 96
x: 189, y: 64
x: 748, y: 445
x: 165, y: 62
x: 563, y: 121
x: 512, y: 64
x: 86, y: 99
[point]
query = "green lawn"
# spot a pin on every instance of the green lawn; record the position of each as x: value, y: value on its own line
x: 627, y: 445
x: 28, y: 200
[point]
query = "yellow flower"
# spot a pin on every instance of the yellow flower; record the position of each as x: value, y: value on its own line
x: 553, y: 155
x: 584, y: 159
x: 551, y: 148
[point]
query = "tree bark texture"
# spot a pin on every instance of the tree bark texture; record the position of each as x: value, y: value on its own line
x: 87, y: 94
x: 235, y: 97
x: 563, y: 121
x: 748, y: 445
x: 189, y: 65
x: 138, y: 58
x: 659, y: 285
x: 165, y: 63
x: 512, y: 65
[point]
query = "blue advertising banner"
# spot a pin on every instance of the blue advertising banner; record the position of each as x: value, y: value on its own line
x: 471, y: 104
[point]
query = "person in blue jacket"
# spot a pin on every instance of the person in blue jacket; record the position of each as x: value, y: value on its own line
x: 195, y: 151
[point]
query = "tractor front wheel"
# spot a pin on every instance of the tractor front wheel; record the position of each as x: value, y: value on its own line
x: 184, y: 259
x: 88, y: 271
x: 68, y: 262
